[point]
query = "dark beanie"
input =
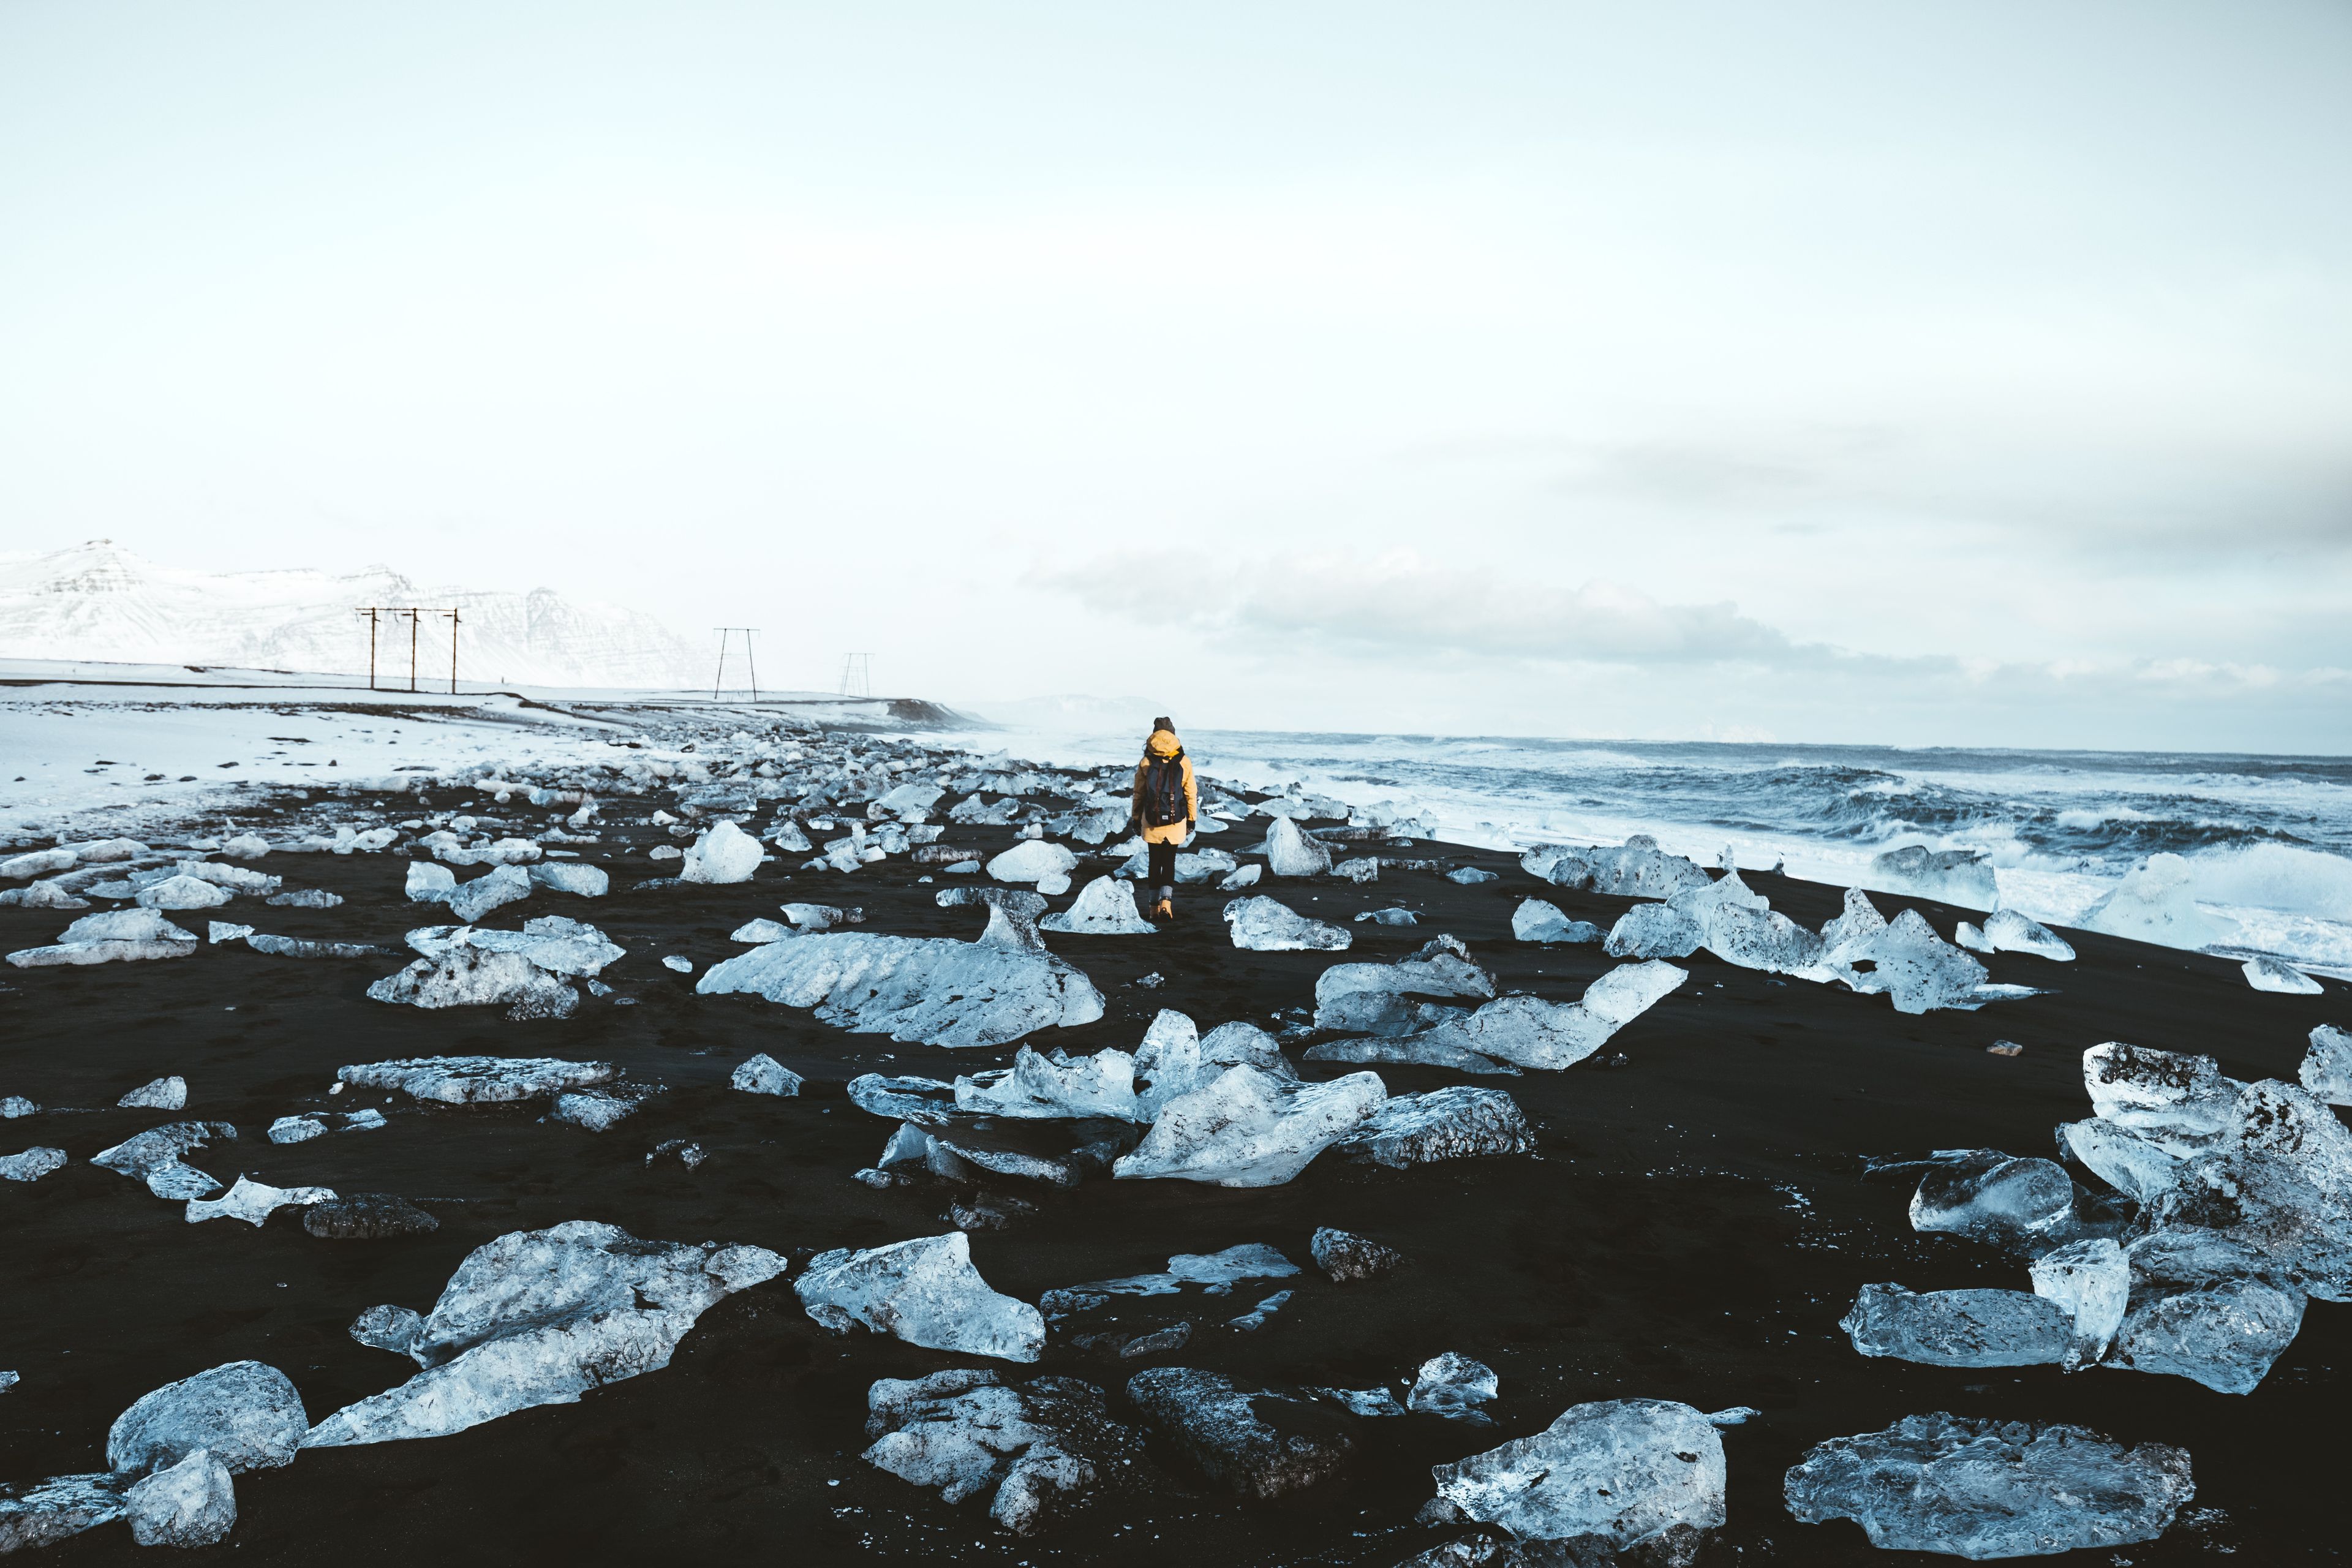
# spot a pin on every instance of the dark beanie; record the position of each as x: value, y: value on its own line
x: 1164, y: 722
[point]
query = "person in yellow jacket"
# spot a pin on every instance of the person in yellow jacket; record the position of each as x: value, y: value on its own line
x: 1166, y: 805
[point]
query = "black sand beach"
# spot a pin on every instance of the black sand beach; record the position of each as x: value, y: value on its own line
x: 1695, y: 1222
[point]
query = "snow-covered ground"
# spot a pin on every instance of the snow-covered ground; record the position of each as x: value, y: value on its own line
x: 95, y: 750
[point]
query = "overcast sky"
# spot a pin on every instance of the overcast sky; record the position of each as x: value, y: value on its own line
x: 1919, y: 374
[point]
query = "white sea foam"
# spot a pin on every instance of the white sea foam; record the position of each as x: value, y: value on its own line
x: 2060, y: 830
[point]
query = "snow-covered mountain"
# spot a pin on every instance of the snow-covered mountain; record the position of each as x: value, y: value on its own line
x: 99, y: 601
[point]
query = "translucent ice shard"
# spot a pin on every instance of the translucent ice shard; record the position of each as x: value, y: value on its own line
x: 1104, y: 907
x: 2285, y: 979
x: 1982, y: 1489
x: 1536, y: 920
x: 926, y: 1292
x: 2224, y: 1336
x: 1638, y: 870
x: 936, y: 990
x: 2153, y: 903
x: 2326, y: 1070
x: 538, y: 1317
x: 1267, y: 925
x: 2090, y: 1281
x: 1041, y: 1449
x: 1627, y: 1470
x: 2006, y: 931
x: 1251, y: 1129
x: 1959, y: 1328
x: 1375, y: 998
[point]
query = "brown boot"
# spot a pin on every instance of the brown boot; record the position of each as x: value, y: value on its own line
x: 1165, y: 910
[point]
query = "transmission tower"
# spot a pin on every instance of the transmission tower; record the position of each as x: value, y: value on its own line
x: 749, y: 666
x: 858, y: 675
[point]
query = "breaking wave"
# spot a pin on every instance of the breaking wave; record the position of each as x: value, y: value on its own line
x: 2268, y: 840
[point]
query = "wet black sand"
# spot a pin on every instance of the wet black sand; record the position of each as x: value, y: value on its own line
x: 1697, y: 1223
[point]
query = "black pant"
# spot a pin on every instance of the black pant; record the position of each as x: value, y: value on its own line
x: 1160, y: 872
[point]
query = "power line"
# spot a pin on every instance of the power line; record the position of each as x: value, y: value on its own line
x: 858, y: 675
x: 750, y: 664
x: 375, y: 615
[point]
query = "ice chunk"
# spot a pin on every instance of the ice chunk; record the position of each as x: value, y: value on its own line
x: 254, y: 1201
x: 1056, y: 1086
x: 192, y: 1503
x: 1453, y: 1386
x: 37, y: 863
x: 2168, y: 1093
x: 601, y: 1110
x: 49, y: 1512
x: 430, y: 882
x: 51, y: 896
x: 2091, y: 1282
x: 1654, y: 931
x: 158, y: 1094
x: 183, y: 893
x: 2225, y: 1336
x: 1103, y: 907
x: 570, y: 876
x: 1208, y: 866
x: 925, y: 1291
x: 2026, y: 1206
x: 2153, y: 903
x: 153, y: 1157
x: 479, y: 1080
x: 1373, y: 998
x: 237, y: 878
x: 1264, y: 925
x: 1247, y: 877
x: 1960, y: 877
x: 538, y: 1317
x: 1528, y: 1032
x: 2326, y: 1070
x: 116, y: 936
x: 1290, y: 852
x: 1042, y: 1449
x: 245, y: 1412
x: 1980, y: 1488
x: 1959, y: 1328
x: 1458, y: 1123
x: 553, y: 942
x: 245, y: 847
x: 1975, y: 941
x: 1251, y: 1129
x: 15, y: 1105
x: 2006, y: 931
x: 32, y: 1164
x: 1536, y: 920
x: 2270, y: 974
x: 765, y: 1075
x: 304, y: 899
x: 1220, y: 1272
x: 495, y: 889
x: 1254, y: 1441
x: 1908, y: 961
x: 1638, y: 870
x: 760, y: 930
x: 366, y: 1216
x: 302, y: 947
x: 1628, y: 1469
x: 935, y: 990
x: 471, y: 977
x: 1033, y: 861
x: 1346, y: 1256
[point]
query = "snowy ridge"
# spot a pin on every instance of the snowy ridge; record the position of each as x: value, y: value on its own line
x: 99, y: 601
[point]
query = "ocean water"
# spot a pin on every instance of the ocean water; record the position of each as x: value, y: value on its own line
x: 2268, y: 840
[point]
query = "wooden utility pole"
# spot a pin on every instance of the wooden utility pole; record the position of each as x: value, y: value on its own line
x: 372, y: 612
x: 453, y: 649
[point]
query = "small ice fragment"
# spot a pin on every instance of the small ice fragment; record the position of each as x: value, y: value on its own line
x: 2270, y: 974
x: 763, y: 1074
x: 158, y: 1094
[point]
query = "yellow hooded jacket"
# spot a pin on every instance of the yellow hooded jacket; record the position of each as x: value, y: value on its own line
x: 1164, y: 743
